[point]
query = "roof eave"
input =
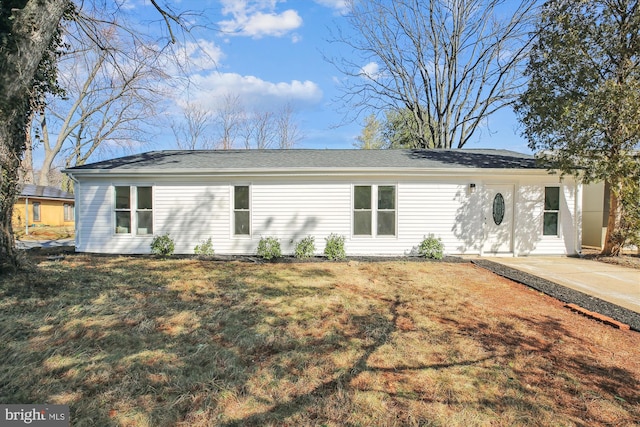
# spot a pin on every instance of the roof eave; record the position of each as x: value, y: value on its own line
x: 306, y: 171
x: 57, y: 199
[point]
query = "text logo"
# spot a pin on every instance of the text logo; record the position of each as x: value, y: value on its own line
x: 34, y: 415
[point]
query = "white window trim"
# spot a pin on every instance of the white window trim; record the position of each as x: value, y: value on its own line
x: 374, y: 211
x: 370, y: 210
x: 133, y: 209
x: 232, y: 208
x: 135, y: 217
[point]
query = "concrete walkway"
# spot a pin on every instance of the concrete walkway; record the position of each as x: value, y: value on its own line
x: 615, y: 284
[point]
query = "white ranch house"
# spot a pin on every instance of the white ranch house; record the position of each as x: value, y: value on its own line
x: 383, y: 201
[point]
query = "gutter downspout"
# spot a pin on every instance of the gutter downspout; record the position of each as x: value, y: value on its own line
x: 578, y: 217
x: 76, y: 217
x: 26, y: 215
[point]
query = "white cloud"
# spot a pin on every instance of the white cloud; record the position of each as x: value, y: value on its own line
x: 202, y: 55
x: 371, y: 71
x: 258, y: 18
x: 339, y: 6
x: 253, y: 92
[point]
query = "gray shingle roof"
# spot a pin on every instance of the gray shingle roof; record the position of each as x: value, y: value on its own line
x: 42, y: 192
x: 259, y: 160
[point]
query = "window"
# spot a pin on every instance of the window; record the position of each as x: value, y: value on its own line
x: 384, y: 222
x: 68, y: 212
x: 125, y: 199
x: 144, y: 211
x: 36, y: 211
x: 362, y: 210
x: 123, y: 210
x: 241, y: 213
x: 551, y: 211
x: 387, y: 210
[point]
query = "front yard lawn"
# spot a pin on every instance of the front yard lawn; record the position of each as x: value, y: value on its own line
x: 138, y: 341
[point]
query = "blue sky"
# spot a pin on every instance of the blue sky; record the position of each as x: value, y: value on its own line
x: 270, y: 52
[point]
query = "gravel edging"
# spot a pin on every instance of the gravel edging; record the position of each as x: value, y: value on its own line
x: 564, y: 294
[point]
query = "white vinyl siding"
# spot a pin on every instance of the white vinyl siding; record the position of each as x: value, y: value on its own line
x: 443, y: 209
x: 192, y: 213
x: 192, y: 210
x: 292, y: 211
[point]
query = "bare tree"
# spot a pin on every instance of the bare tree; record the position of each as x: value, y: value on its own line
x: 111, y: 93
x: 193, y: 133
x: 287, y: 129
x: 29, y: 39
x: 228, y: 119
x: 259, y: 130
x: 451, y: 63
x: 234, y: 126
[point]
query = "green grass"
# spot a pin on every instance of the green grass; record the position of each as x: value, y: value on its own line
x: 147, y: 342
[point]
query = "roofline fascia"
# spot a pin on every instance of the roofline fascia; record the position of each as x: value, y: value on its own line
x: 309, y: 172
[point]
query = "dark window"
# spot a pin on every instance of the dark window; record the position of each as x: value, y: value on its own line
x: 551, y: 211
x: 362, y: 210
x: 130, y: 200
x: 36, y: 211
x: 144, y: 211
x: 241, y: 212
x: 387, y: 210
x: 123, y: 210
x: 498, y: 209
x: 384, y: 222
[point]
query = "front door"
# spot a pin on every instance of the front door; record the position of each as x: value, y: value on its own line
x: 498, y: 219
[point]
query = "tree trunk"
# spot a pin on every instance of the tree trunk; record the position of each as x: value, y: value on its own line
x: 614, y: 240
x: 28, y: 176
x: 45, y: 169
x: 27, y: 28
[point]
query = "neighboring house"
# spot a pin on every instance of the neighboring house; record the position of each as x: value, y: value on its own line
x: 38, y: 205
x: 595, y: 214
x: 383, y: 201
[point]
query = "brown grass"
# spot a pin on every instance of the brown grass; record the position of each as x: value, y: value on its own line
x: 147, y: 342
x: 629, y: 258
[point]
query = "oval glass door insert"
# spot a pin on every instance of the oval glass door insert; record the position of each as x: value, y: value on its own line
x: 498, y: 209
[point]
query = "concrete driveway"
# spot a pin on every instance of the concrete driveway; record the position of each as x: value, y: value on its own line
x: 615, y: 284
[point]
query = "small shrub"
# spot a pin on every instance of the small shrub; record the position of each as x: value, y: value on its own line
x: 269, y: 248
x: 431, y: 247
x: 334, y: 250
x: 162, y: 245
x: 305, y: 248
x: 205, y: 248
